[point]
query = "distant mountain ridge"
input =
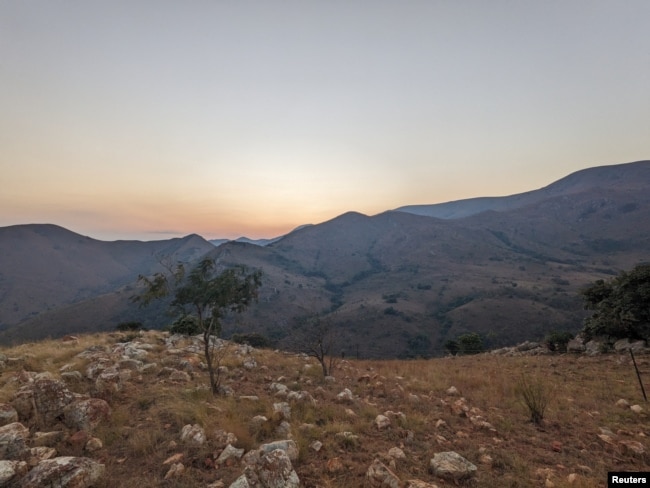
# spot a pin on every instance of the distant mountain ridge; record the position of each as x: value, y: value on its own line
x: 396, y: 284
x: 44, y: 266
x: 632, y: 175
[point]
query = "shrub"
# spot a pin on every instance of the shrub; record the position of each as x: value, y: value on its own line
x: 620, y: 305
x: 253, y: 339
x: 557, y: 341
x: 535, y: 395
x: 470, y: 344
x: 391, y: 311
x: 129, y: 326
x: 188, y: 325
x: 452, y: 347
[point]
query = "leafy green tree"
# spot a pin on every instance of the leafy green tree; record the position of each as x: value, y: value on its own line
x: 557, y: 341
x: 129, y: 326
x: 187, y: 325
x: 452, y: 347
x: 419, y: 346
x: 470, y: 344
x: 252, y: 339
x: 207, y: 295
x: 621, y: 305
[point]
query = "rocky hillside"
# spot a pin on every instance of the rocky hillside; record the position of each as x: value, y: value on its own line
x: 108, y: 410
x: 394, y: 284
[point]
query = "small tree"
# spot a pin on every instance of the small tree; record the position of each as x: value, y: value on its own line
x: 557, y: 341
x: 470, y: 344
x: 187, y: 325
x: 129, y: 326
x: 620, y: 305
x: 316, y: 338
x: 452, y: 347
x: 207, y: 295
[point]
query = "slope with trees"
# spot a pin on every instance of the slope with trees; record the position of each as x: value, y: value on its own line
x: 206, y: 295
x: 621, y: 305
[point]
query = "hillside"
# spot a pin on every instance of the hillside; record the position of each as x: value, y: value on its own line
x: 46, y: 267
x: 400, y: 285
x: 135, y: 411
x: 612, y: 177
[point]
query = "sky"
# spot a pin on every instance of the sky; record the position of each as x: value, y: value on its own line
x: 152, y: 119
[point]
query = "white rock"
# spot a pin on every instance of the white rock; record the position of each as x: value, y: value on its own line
x: 382, y: 422
x: 451, y: 466
x: 193, y: 435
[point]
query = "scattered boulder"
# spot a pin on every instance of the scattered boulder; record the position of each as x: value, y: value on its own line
x: 50, y: 398
x: 396, y: 453
x: 379, y: 475
x: 419, y: 484
x: 279, y: 390
x: 67, y: 471
x: 108, y: 381
x: 288, y: 446
x: 626, y: 345
x: 13, y: 441
x: 229, y: 455
x: 382, y: 422
x: 47, y: 439
x: 8, y: 414
x: 93, y: 444
x: 633, y: 447
x: 11, y: 469
x: 220, y: 438
x: 256, y: 423
x: 282, y: 411
x: 38, y: 454
x: 270, y: 470
x: 451, y: 466
x: 301, y: 397
x: 180, y: 376
x: 576, y: 345
x: 250, y: 363
x: 175, y: 470
x: 595, y: 347
x: 193, y: 435
x: 347, y: 438
x: 345, y: 396
x: 86, y: 414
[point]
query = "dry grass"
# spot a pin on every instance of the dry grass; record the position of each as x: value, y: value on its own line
x: 149, y: 413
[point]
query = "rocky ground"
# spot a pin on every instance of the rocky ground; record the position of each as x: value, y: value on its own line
x: 135, y: 410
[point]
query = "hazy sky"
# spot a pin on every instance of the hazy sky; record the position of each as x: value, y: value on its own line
x: 152, y: 119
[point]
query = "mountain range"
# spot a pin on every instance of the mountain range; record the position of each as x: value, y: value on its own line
x: 397, y: 284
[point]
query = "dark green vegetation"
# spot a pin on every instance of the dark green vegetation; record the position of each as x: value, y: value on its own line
x: 621, y: 305
x: 201, y: 298
x: 392, y: 285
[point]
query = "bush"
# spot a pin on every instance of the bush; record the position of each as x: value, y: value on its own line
x: 129, y: 326
x: 452, y: 347
x: 391, y: 311
x: 620, y: 305
x: 535, y: 395
x: 253, y: 339
x: 187, y: 325
x: 557, y: 341
x: 470, y: 344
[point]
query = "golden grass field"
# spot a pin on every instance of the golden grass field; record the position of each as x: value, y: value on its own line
x: 584, y: 433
